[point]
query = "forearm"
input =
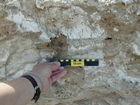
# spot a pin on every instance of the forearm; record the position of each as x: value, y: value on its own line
x: 21, y: 90
x: 16, y: 92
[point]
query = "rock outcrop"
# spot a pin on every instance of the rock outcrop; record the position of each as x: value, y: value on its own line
x: 48, y: 30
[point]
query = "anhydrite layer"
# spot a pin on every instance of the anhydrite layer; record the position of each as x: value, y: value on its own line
x: 47, y: 30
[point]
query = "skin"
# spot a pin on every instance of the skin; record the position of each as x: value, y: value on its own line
x: 20, y: 91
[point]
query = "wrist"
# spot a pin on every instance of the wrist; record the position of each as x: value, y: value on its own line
x: 38, y: 81
x: 35, y: 86
x: 28, y: 85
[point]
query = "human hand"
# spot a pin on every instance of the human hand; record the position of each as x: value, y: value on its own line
x: 48, y: 73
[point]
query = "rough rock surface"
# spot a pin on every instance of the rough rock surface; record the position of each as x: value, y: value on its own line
x: 109, y: 30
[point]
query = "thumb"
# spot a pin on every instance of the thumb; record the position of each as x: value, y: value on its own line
x: 54, y: 65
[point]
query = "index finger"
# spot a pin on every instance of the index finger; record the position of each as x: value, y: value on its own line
x: 54, y: 65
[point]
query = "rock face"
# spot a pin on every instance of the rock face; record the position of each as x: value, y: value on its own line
x: 108, y: 30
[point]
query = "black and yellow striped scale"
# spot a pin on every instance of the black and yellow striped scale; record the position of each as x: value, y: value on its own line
x: 79, y: 62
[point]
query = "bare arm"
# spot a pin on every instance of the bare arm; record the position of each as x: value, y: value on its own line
x: 20, y: 91
x: 16, y: 92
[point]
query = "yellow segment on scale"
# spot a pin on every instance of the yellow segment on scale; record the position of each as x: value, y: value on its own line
x: 61, y: 60
x: 77, y: 63
x: 67, y: 60
x: 88, y: 60
x: 93, y: 60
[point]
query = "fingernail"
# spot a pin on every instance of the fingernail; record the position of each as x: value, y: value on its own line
x: 55, y: 63
x: 61, y: 68
x: 65, y: 73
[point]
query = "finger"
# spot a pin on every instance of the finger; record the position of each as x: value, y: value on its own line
x: 57, y: 71
x: 54, y: 65
x: 58, y: 75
